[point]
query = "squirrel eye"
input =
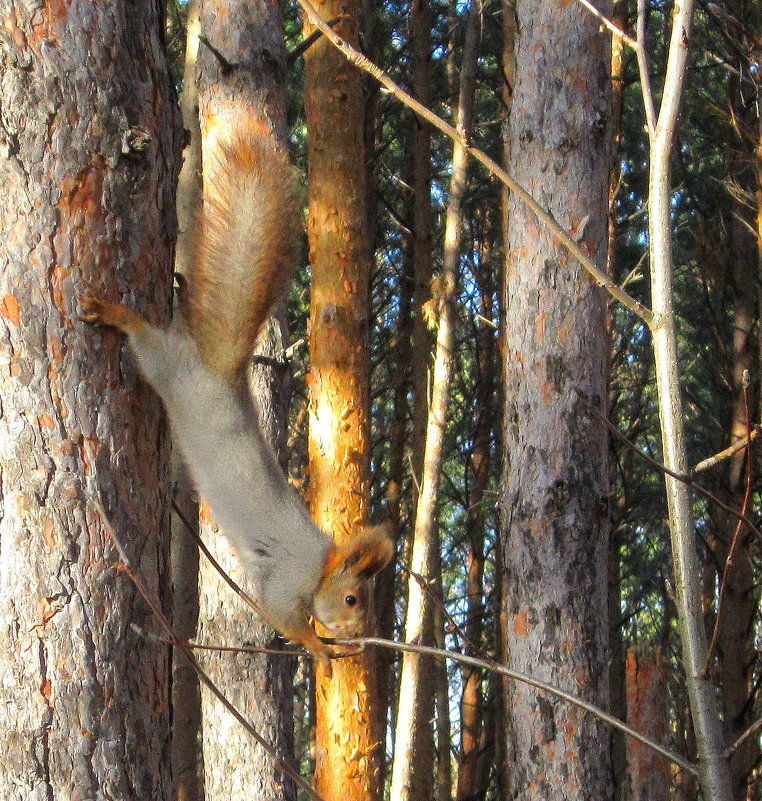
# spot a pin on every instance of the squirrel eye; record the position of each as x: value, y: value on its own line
x: 350, y: 600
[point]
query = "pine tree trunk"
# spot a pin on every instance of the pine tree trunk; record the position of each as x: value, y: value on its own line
x: 90, y: 139
x: 244, y: 76
x: 348, y: 724
x: 554, y: 492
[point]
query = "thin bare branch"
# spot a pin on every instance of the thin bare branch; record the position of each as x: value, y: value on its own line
x: 711, y: 461
x: 684, y: 477
x: 495, y: 666
x: 645, y: 78
x: 280, y: 762
x: 755, y: 727
x: 565, y: 238
x: 215, y: 564
x: 615, y: 29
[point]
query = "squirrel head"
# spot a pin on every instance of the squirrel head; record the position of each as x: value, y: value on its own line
x: 343, y: 595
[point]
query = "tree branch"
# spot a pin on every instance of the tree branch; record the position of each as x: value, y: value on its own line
x: 566, y: 239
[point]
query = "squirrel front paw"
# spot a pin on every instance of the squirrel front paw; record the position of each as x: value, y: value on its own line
x: 99, y: 312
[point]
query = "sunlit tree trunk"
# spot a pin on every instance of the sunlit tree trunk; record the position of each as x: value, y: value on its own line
x: 90, y: 146
x: 411, y: 771
x: 554, y: 490
x: 348, y: 726
x: 242, y: 72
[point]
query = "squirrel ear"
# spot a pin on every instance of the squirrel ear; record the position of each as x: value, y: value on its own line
x: 370, y: 552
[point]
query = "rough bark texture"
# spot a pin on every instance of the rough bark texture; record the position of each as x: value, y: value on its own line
x: 89, y: 135
x: 245, y: 75
x: 648, y: 773
x: 348, y: 727
x: 553, y: 497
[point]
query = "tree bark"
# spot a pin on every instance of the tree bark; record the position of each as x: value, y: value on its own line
x: 89, y: 137
x: 242, y: 69
x: 349, y: 727
x: 554, y: 488
x: 648, y: 774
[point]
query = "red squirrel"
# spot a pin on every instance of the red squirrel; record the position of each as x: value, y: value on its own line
x: 243, y: 258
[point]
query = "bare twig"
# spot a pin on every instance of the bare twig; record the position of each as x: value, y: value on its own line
x: 542, y: 214
x: 454, y: 625
x: 751, y: 730
x: 280, y: 762
x: 233, y: 649
x: 685, y: 478
x: 494, y: 665
x: 241, y: 593
x: 711, y: 461
x: 645, y: 78
x: 615, y: 29
x: 310, y: 40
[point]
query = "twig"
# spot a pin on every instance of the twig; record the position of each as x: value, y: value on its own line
x: 310, y: 40
x: 753, y: 728
x: 233, y: 649
x: 241, y: 593
x: 711, y: 461
x: 682, y: 477
x: 280, y: 762
x: 542, y: 214
x: 615, y: 29
x: 739, y: 526
x: 497, y: 667
x: 645, y: 79
x: 439, y: 603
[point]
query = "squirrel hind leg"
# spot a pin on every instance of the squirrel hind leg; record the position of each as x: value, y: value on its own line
x: 100, y: 312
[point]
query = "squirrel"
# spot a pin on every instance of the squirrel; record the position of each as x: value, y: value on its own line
x: 243, y: 256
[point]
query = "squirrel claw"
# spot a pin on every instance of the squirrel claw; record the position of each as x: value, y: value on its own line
x: 93, y: 309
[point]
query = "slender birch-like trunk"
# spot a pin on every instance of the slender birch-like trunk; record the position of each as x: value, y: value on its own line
x: 715, y: 774
x: 409, y: 778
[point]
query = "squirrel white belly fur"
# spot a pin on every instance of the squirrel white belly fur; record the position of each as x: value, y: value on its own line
x: 244, y: 255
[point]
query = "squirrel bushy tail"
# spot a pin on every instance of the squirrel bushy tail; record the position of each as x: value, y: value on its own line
x: 245, y: 247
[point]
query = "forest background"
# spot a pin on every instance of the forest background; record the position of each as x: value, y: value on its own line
x: 442, y: 362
